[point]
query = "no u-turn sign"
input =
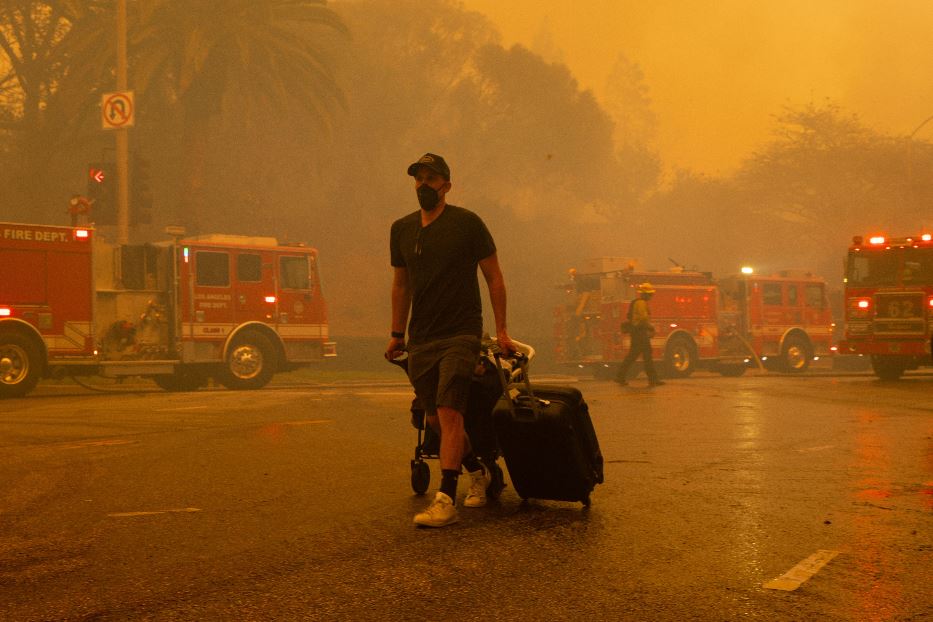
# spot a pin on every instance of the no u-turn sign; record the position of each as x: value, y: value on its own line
x: 117, y: 110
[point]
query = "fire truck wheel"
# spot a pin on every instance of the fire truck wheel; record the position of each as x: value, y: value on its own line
x: 19, y: 364
x: 680, y: 357
x: 182, y: 380
x: 731, y: 370
x: 796, y: 354
x: 250, y: 362
x: 888, y: 368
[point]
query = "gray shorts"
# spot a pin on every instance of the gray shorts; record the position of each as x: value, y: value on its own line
x: 441, y: 371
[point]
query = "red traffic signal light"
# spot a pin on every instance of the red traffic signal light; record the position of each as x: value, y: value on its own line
x: 101, y: 189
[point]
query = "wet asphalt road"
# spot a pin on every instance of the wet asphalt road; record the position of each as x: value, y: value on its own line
x: 293, y: 503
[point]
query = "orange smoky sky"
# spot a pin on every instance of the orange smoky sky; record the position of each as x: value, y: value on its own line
x: 719, y: 70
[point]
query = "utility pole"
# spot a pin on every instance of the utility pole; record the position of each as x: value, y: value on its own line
x: 910, y: 163
x: 123, y: 181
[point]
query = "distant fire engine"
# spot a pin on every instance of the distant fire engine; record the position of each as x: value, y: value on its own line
x: 234, y: 308
x: 889, y: 302
x: 720, y: 324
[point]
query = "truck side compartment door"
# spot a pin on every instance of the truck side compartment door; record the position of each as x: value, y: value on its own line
x: 254, y: 288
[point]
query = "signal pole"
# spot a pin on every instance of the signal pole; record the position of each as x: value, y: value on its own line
x: 123, y: 182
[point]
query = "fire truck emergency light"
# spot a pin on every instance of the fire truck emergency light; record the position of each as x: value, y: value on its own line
x: 82, y: 234
x: 270, y: 299
x: 5, y: 312
x: 926, y: 237
x: 747, y: 270
x: 876, y: 239
x: 863, y: 303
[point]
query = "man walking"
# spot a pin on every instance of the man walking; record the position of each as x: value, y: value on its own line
x: 640, y: 331
x: 435, y: 252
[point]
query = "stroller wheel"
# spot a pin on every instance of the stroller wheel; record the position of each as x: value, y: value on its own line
x: 496, y: 482
x: 420, y: 476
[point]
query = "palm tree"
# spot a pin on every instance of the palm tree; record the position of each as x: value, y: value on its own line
x: 192, y: 56
x: 30, y: 33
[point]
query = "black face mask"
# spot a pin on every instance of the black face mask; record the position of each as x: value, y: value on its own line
x: 428, y: 197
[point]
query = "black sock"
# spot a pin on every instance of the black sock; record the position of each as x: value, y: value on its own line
x: 471, y: 463
x: 449, y: 482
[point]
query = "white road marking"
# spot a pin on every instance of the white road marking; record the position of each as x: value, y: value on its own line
x: 799, y: 574
x: 99, y: 443
x: 166, y: 410
x: 387, y: 393
x: 153, y: 513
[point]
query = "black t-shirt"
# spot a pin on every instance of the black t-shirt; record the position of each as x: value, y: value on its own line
x: 442, y: 259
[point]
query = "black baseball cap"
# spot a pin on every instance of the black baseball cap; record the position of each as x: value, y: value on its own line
x: 434, y: 162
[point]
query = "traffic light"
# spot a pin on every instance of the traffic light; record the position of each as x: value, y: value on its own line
x: 140, y: 193
x: 102, y: 190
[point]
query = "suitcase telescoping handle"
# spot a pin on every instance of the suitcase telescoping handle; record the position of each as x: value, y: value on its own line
x: 507, y: 389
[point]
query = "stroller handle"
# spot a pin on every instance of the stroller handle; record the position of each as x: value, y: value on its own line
x: 522, y: 350
x: 400, y: 360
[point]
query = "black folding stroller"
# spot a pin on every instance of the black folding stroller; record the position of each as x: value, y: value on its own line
x: 485, y: 391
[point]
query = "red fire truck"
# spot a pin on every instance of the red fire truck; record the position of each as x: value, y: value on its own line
x: 234, y: 308
x: 724, y: 324
x: 889, y: 302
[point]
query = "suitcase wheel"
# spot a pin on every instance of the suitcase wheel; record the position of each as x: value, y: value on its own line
x: 420, y: 476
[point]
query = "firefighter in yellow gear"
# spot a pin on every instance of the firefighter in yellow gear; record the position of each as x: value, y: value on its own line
x: 640, y: 330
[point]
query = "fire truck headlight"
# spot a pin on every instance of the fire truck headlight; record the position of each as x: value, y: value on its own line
x: 930, y: 302
x: 270, y: 300
x: 926, y: 237
x: 876, y: 239
x: 748, y: 270
x: 859, y: 307
x: 82, y: 234
x: 5, y: 312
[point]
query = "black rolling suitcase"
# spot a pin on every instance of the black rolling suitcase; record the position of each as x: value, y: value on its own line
x: 550, y: 447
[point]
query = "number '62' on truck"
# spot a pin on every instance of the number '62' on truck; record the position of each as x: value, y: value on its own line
x: 889, y: 302
x: 234, y: 308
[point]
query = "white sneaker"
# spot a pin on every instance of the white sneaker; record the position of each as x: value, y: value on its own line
x: 441, y: 512
x: 476, y: 498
